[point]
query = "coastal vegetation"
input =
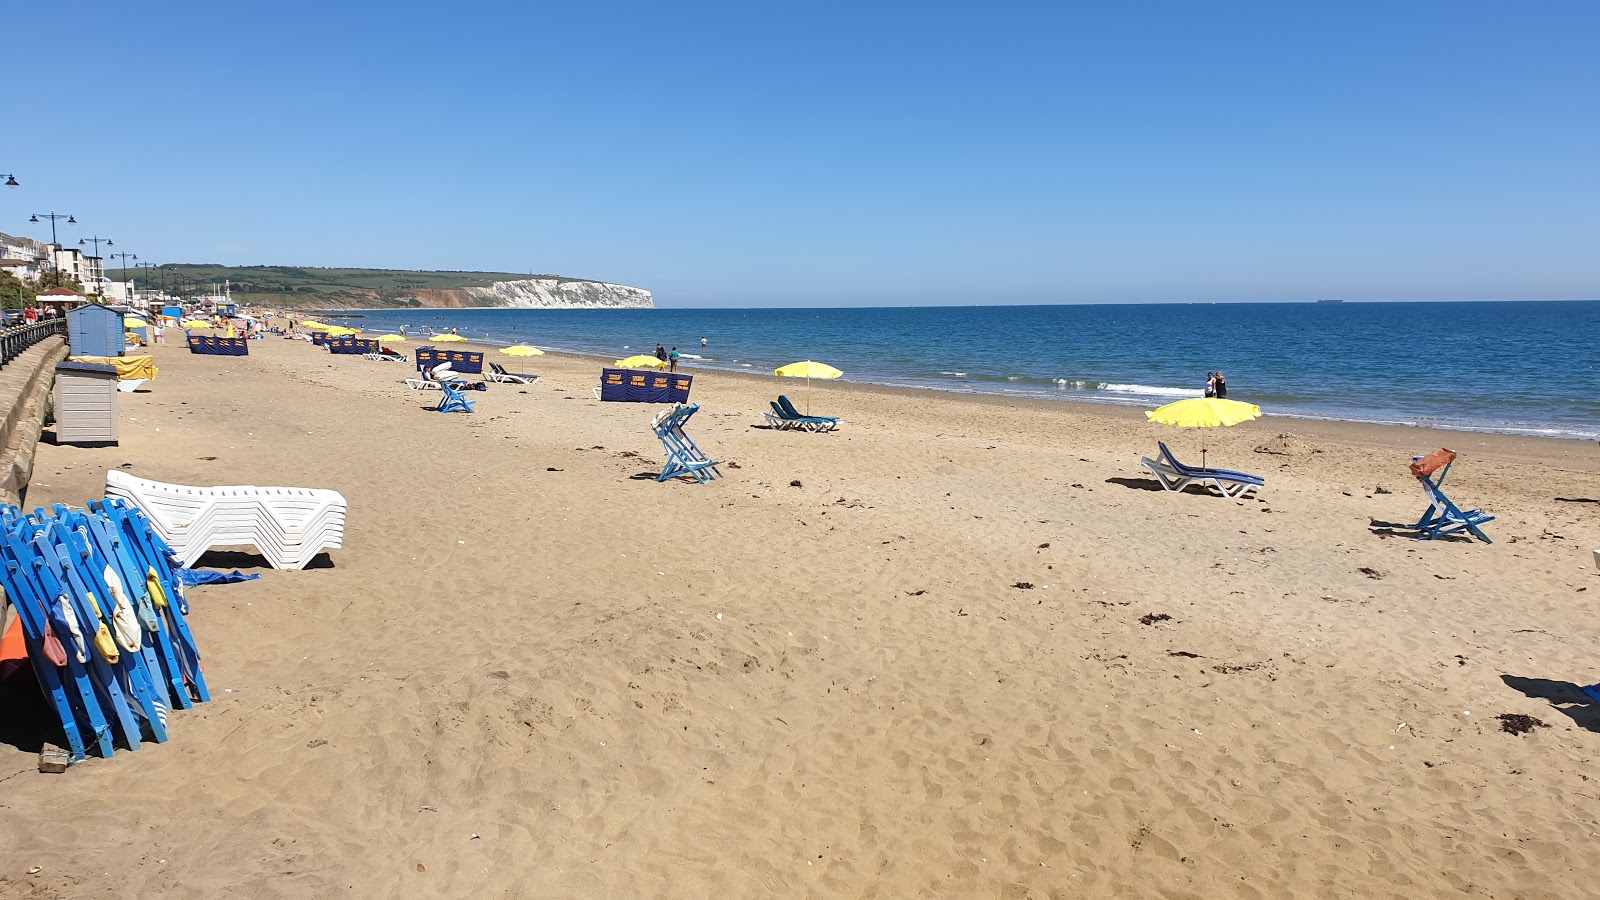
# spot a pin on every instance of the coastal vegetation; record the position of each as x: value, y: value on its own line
x: 312, y: 287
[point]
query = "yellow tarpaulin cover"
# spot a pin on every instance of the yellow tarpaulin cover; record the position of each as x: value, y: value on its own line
x: 127, y: 366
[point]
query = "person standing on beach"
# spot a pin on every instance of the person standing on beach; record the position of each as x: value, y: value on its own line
x: 1211, y: 384
x: 704, y: 342
x: 661, y: 353
x: 1222, y: 387
x: 673, y: 359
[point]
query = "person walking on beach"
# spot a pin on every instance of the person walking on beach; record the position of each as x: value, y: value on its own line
x: 1221, y: 387
x: 672, y: 358
x: 1211, y: 384
x: 661, y: 353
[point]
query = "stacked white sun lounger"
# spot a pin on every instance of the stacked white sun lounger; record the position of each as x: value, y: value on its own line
x: 290, y: 526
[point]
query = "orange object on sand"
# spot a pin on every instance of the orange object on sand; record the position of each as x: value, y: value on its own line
x: 1433, y: 462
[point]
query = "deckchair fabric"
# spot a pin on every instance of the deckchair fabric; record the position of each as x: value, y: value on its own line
x: 1443, y: 517
x: 75, y: 571
x: 684, y: 457
x: 1175, y: 476
x: 290, y: 526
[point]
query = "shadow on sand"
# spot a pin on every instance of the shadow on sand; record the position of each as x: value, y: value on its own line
x: 1564, y: 696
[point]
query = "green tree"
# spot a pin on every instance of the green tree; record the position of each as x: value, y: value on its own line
x: 14, y: 292
x: 56, y: 278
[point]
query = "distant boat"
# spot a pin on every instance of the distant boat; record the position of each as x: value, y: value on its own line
x: 1330, y: 301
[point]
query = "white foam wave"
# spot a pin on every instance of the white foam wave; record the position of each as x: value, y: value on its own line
x: 955, y: 374
x: 1152, y: 390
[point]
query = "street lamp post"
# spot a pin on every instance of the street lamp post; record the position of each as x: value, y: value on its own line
x: 11, y: 182
x: 53, y: 216
x: 96, y: 241
x: 125, y: 258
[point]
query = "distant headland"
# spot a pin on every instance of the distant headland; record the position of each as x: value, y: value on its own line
x: 300, y: 287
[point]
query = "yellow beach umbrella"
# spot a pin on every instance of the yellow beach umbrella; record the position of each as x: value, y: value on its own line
x: 134, y: 322
x: 522, y: 350
x: 1204, y: 412
x: 196, y: 323
x: 448, y: 338
x: 807, y: 370
x: 391, y: 338
x: 640, y: 362
x: 315, y: 326
x: 341, y: 331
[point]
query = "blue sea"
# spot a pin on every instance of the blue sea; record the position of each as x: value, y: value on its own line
x: 1514, y: 367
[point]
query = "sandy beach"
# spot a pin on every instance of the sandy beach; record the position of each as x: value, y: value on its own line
x: 962, y: 647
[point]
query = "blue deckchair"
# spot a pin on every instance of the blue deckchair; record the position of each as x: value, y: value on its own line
x: 452, y: 401
x: 157, y: 558
x: 683, y: 456
x: 1443, y: 517
x: 69, y: 688
x: 1175, y: 476
x: 809, y: 423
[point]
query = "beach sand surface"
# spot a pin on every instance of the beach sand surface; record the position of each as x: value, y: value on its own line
x: 959, y: 648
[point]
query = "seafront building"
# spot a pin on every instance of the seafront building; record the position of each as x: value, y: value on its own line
x: 28, y: 259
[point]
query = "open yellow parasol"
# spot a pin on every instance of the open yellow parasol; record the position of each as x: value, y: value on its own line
x: 196, y: 323
x: 447, y: 338
x: 808, y: 370
x: 315, y: 326
x: 1204, y: 412
x: 640, y: 362
x: 522, y: 350
x: 134, y: 322
x: 390, y: 338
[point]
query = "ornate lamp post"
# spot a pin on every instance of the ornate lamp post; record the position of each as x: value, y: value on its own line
x: 11, y: 182
x: 52, y: 216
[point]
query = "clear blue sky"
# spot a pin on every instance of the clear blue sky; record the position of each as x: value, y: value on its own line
x: 749, y: 154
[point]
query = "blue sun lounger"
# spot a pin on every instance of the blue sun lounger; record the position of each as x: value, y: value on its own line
x: 795, y: 419
x: 1443, y: 516
x: 1175, y: 476
x: 453, y: 400
x: 683, y: 456
x: 782, y: 421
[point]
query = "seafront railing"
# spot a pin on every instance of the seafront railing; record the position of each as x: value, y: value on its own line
x: 15, y: 340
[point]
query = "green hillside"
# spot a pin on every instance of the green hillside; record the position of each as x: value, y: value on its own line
x: 312, y: 287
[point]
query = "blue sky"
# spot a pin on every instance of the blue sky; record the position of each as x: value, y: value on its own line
x: 840, y: 154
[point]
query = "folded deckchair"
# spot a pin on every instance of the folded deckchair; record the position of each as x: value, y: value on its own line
x: 808, y: 423
x: 1443, y: 517
x: 498, y: 373
x: 384, y: 354
x: 1175, y: 476
x: 442, y: 374
x: 683, y: 456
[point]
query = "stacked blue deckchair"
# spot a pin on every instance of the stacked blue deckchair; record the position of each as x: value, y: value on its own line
x: 103, y: 613
x: 1175, y: 476
x: 1593, y: 690
x: 1443, y: 517
x: 683, y: 456
x: 784, y: 417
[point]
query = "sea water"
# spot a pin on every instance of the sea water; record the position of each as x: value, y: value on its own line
x: 1515, y: 367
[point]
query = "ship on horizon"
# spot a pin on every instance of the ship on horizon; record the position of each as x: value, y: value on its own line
x: 1340, y: 300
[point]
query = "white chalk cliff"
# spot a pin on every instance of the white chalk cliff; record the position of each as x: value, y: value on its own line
x: 561, y: 293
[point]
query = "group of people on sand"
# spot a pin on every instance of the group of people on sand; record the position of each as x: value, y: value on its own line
x: 1216, y: 385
